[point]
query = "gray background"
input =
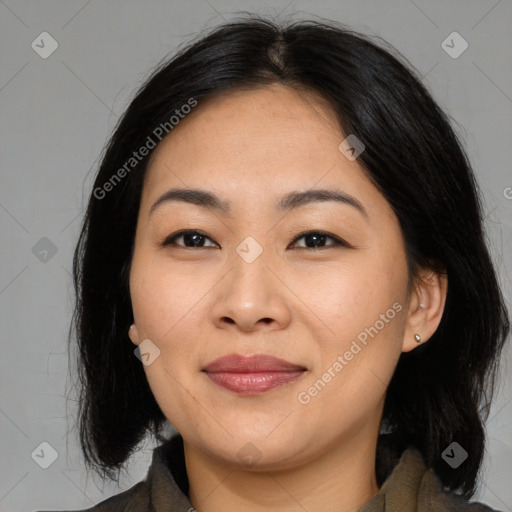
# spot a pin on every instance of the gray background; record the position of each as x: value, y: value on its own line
x: 57, y: 114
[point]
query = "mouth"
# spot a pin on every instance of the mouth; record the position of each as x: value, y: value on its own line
x: 252, y: 375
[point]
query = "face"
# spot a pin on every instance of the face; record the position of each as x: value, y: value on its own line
x: 320, y: 284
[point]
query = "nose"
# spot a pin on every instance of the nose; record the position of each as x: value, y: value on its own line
x: 252, y: 296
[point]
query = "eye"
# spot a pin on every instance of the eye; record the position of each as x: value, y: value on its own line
x: 317, y: 238
x: 191, y: 236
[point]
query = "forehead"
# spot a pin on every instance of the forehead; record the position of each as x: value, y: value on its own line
x: 255, y: 145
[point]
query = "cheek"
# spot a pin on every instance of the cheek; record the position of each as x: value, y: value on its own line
x: 163, y: 303
x: 361, y: 307
x: 167, y: 301
x: 160, y: 295
x: 364, y: 311
x: 352, y: 296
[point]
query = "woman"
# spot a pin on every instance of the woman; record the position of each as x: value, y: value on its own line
x: 283, y: 257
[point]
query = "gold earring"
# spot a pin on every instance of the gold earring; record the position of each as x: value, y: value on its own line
x: 417, y: 337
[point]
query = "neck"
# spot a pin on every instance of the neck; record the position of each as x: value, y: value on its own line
x: 342, y: 478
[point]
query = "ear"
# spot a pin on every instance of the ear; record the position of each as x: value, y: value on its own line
x: 133, y: 333
x: 426, y: 307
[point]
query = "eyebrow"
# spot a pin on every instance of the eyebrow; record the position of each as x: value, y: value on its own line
x: 290, y: 201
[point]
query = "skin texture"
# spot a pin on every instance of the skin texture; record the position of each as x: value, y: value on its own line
x: 302, y: 305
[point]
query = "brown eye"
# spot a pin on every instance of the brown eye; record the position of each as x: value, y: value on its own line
x: 193, y: 238
x: 317, y: 239
x: 188, y: 238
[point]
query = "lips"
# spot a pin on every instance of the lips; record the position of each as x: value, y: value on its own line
x: 252, y: 375
x: 251, y: 364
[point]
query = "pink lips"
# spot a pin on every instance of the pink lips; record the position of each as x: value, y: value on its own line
x: 252, y: 375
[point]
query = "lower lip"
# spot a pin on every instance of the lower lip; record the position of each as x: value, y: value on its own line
x: 253, y: 383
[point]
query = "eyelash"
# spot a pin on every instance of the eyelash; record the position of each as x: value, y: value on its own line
x: 338, y: 242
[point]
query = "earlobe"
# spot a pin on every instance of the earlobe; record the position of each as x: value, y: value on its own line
x: 425, y: 309
x: 134, y: 334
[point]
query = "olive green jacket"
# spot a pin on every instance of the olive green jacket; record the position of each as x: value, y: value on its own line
x: 409, y: 488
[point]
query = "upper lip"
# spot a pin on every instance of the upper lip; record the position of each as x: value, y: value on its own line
x: 247, y: 364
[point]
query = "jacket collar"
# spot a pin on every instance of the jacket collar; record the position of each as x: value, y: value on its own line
x: 409, y: 488
x: 167, y: 477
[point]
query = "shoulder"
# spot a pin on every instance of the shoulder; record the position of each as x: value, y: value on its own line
x: 159, y: 491
x: 434, y: 497
x: 411, y: 483
x: 440, y: 499
x: 137, y: 498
